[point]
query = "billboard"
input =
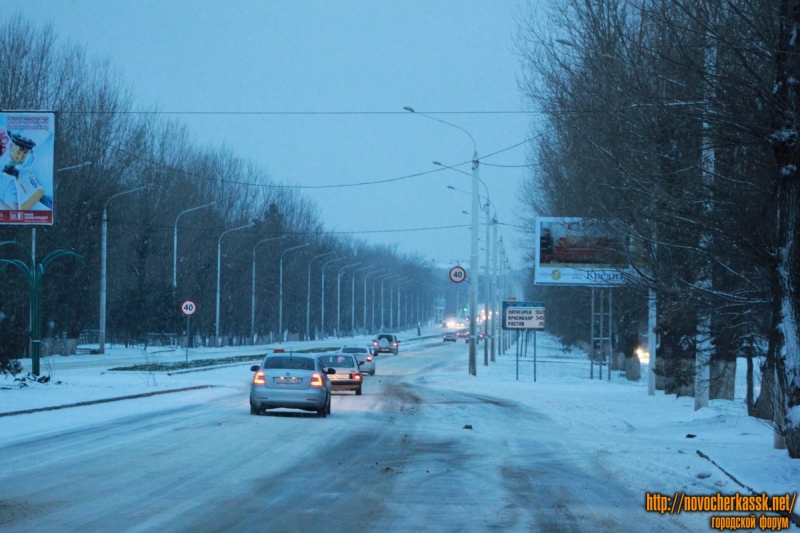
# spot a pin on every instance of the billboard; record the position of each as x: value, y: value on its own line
x: 27, y: 155
x: 576, y: 251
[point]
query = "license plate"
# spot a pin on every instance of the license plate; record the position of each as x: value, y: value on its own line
x: 340, y: 376
x: 283, y: 380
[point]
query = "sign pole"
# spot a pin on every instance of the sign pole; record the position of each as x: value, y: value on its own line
x: 188, y: 308
x: 188, y: 336
x: 534, y: 356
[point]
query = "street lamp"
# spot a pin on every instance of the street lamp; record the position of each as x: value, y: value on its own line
x: 33, y: 232
x: 383, y: 315
x: 308, y: 297
x: 322, y: 312
x: 374, y: 282
x: 253, y: 290
x: 353, y: 297
x: 280, y: 290
x: 368, y: 274
x: 219, y: 265
x: 175, y: 243
x: 391, y: 305
x: 473, y: 258
x: 398, y: 300
x: 338, y: 299
x: 103, y: 266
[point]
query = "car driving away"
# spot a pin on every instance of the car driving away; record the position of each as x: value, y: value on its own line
x: 346, y: 374
x: 449, y: 336
x: 364, y: 355
x: 385, y: 344
x: 290, y: 381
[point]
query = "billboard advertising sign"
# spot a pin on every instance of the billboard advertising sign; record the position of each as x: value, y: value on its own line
x: 27, y: 155
x: 575, y: 251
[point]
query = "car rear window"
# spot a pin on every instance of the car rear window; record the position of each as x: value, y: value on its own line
x: 337, y: 361
x: 288, y: 362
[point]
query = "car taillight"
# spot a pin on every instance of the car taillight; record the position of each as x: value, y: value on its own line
x: 369, y: 358
x: 258, y: 379
x: 316, y: 380
x: 394, y: 344
x: 355, y: 375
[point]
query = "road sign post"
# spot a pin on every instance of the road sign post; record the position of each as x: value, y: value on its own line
x: 188, y: 308
x: 526, y: 317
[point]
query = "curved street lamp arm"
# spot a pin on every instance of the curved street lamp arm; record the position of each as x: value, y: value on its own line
x: 474, y: 146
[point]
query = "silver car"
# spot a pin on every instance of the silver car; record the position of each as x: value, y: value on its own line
x: 290, y: 381
x: 365, y: 358
x: 346, y: 374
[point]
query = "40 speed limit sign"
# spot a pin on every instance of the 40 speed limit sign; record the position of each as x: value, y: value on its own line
x: 458, y: 274
x: 188, y: 308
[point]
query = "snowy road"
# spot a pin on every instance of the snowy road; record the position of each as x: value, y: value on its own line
x: 411, y: 454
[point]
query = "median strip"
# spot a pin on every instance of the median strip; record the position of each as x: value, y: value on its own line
x: 105, y: 400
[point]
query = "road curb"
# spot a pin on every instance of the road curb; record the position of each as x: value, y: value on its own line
x: 105, y: 400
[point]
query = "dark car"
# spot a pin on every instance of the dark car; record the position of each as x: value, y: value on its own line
x: 290, y: 381
x: 385, y: 344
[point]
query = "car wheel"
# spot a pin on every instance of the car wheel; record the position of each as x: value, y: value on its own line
x: 358, y: 391
x: 253, y: 410
x: 322, y: 412
x: 329, y: 404
x: 372, y: 373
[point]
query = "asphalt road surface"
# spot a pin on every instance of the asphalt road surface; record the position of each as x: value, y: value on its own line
x: 402, y: 457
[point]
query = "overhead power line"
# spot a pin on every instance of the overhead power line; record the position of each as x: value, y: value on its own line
x: 280, y: 186
x: 154, y: 112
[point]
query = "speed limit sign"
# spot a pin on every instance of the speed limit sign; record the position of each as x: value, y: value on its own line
x: 188, y: 308
x: 458, y: 274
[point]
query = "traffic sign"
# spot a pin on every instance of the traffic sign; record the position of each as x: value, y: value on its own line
x: 188, y: 308
x: 458, y: 274
x: 523, y: 315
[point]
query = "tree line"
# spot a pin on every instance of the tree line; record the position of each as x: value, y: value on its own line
x: 675, y: 124
x: 146, y: 174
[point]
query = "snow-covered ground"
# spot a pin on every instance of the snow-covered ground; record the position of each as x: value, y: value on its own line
x: 653, y: 443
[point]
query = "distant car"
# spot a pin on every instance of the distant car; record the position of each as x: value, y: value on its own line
x: 364, y: 355
x: 464, y: 334
x: 385, y: 344
x: 346, y: 375
x: 449, y: 336
x: 290, y: 381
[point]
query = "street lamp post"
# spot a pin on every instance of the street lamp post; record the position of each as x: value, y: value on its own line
x: 308, y: 294
x: 374, y: 282
x: 175, y: 243
x: 322, y: 312
x: 473, y: 257
x: 488, y: 307
x: 391, y: 302
x: 338, y: 299
x: 367, y: 275
x: 383, y: 315
x: 353, y: 297
x: 33, y: 234
x: 219, y: 265
x: 253, y: 289
x: 398, y: 301
x: 103, y: 268
x: 280, y: 290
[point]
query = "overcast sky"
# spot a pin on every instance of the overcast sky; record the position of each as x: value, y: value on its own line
x: 318, y: 88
